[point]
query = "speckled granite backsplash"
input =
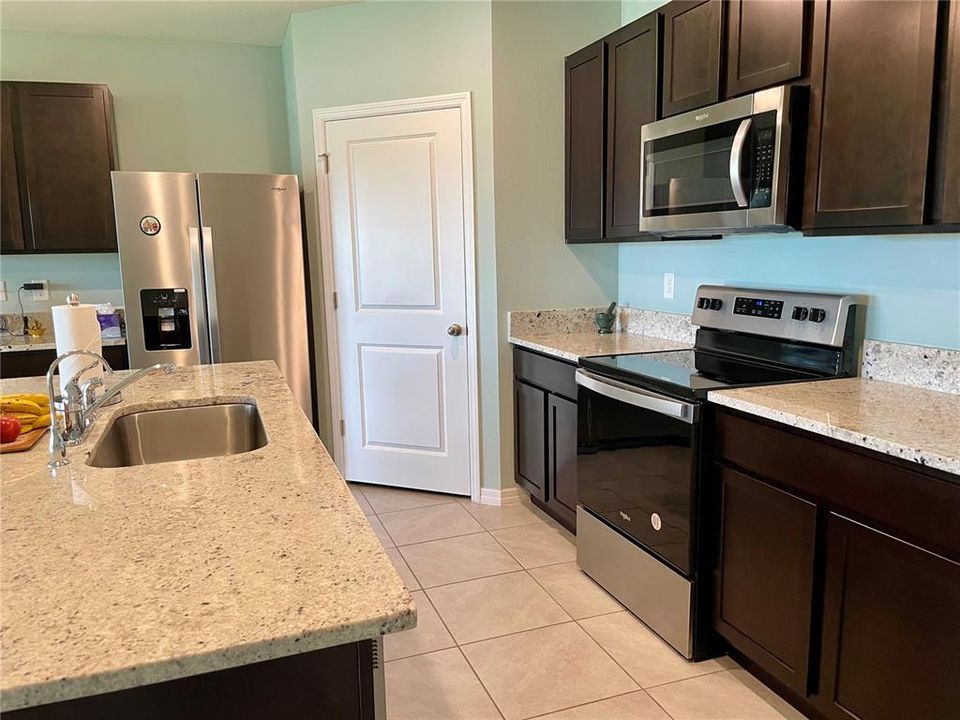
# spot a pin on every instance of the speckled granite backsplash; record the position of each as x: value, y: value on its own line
x: 926, y: 367
x: 552, y: 321
x: 651, y: 323
x: 658, y: 324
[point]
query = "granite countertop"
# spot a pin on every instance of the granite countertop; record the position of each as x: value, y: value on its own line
x: 115, y: 578
x: 576, y: 344
x: 901, y: 420
x: 19, y: 343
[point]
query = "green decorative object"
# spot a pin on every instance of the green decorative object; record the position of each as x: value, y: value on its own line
x: 606, y: 320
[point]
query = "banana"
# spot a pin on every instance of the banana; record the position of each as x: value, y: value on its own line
x: 39, y: 398
x: 20, y: 406
x: 42, y: 421
x: 24, y: 417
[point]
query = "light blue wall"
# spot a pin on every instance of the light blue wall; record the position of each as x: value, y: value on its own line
x: 912, y: 281
x: 179, y: 105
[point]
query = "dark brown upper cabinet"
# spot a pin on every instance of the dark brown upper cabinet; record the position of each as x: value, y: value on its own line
x: 765, y: 43
x: 946, y: 167
x: 11, y: 219
x: 633, y: 65
x: 871, y: 103
x: 64, y: 144
x: 585, y: 127
x: 691, y: 54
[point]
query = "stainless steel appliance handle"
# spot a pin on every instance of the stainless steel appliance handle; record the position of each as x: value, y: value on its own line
x: 199, y: 303
x: 736, y: 158
x: 210, y: 281
x: 687, y: 412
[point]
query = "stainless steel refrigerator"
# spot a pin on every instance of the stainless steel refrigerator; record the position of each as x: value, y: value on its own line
x: 213, y: 271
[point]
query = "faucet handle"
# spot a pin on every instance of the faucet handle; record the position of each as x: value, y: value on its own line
x: 88, y: 391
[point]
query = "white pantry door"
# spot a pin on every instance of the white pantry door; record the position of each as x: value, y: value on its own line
x: 397, y: 217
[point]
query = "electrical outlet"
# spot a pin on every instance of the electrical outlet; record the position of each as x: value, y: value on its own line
x: 41, y: 294
x: 3, y: 290
x: 668, y: 286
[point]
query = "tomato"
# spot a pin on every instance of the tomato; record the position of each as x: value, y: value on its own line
x: 9, y: 428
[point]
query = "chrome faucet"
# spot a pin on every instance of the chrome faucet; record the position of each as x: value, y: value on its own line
x: 74, y: 410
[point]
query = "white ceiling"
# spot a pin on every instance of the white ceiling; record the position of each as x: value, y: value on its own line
x: 255, y: 22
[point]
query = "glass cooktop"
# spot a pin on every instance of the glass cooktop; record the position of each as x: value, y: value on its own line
x: 691, y: 373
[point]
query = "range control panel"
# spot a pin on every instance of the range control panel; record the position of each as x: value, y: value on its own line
x: 807, y: 317
x: 758, y: 307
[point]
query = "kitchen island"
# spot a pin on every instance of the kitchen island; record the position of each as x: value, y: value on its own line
x: 250, y: 583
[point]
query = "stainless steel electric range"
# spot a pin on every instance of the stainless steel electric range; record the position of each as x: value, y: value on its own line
x: 647, y: 511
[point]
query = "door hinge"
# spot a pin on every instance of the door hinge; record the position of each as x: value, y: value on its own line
x: 343, y: 428
x: 336, y: 301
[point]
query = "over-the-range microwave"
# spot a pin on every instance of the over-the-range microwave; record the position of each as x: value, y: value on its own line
x: 732, y: 167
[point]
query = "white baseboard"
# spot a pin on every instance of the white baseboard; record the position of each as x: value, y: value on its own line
x: 506, y: 496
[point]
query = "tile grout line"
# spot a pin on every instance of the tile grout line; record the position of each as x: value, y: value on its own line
x: 557, y: 600
x: 500, y: 710
x: 692, y: 677
x: 591, y: 702
x: 578, y: 621
x: 655, y: 702
x: 648, y: 687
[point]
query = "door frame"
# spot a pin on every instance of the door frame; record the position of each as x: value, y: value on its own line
x: 321, y: 116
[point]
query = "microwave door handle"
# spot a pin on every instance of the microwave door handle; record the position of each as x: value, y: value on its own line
x: 637, y: 397
x: 736, y: 158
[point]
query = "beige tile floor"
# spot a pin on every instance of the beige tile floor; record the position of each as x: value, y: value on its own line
x: 509, y: 628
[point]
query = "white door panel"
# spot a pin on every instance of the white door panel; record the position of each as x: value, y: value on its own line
x: 397, y: 207
x: 394, y: 216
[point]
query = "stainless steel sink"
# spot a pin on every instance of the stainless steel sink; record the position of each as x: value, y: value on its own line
x: 188, y: 433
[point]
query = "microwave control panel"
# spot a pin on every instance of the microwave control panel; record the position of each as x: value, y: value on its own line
x: 764, y: 144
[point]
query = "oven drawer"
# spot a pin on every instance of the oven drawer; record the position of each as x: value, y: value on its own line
x: 659, y: 596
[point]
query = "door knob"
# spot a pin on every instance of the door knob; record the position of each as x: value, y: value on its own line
x: 456, y: 330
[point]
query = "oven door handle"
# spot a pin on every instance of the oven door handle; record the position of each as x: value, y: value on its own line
x: 687, y: 412
x: 736, y: 162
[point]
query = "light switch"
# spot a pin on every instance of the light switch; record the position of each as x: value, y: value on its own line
x: 3, y: 290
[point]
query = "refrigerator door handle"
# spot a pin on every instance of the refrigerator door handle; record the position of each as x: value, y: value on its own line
x: 210, y: 281
x: 199, y: 304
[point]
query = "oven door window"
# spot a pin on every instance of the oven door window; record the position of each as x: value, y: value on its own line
x: 636, y: 470
x: 690, y: 172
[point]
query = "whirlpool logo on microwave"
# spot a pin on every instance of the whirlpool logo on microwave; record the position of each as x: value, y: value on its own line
x: 701, y: 116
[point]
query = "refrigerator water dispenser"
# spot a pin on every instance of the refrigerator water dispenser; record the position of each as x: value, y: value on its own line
x: 166, y: 319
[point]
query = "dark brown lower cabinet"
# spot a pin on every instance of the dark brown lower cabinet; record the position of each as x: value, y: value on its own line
x: 33, y: 363
x: 530, y: 446
x: 337, y: 682
x: 562, y: 461
x: 766, y: 569
x: 838, y: 579
x: 545, y: 433
x: 891, y: 628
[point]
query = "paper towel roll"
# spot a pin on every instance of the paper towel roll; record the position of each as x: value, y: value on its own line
x: 75, y: 327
